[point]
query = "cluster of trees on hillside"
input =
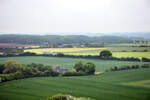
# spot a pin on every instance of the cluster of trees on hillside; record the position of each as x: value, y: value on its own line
x: 55, y: 40
x: 81, y: 69
x: 13, y: 70
x: 87, y: 68
x: 128, y: 67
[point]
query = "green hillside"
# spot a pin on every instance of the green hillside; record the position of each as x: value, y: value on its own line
x: 108, y: 86
x: 119, y: 85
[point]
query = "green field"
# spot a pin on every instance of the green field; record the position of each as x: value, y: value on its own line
x: 120, y: 85
x: 68, y: 62
x: 108, y: 86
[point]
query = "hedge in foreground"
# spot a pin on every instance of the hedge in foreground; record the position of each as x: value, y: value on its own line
x: 66, y: 97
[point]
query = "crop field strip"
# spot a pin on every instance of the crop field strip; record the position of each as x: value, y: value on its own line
x: 89, y: 51
x: 116, y: 54
x: 55, y: 50
x: 51, y: 50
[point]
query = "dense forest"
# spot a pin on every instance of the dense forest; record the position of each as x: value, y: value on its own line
x: 65, y: 39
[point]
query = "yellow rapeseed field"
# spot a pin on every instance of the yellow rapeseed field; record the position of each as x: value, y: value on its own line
x: 63, y: 50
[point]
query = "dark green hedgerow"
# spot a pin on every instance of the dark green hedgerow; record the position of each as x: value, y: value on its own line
x: 106, y: 57
x: 119, y: 68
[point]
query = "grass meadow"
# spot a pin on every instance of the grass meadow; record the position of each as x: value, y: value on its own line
x: 107, y: 86
x: 119, y: 85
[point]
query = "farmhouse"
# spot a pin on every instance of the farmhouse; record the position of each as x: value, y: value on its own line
x: 59, y: 69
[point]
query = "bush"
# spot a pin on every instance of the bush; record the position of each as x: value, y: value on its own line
x: 1, y: 68
x: 105, y: 54
x: 145, y: 66
x: 78, y: 66
x: 74, y: 74
x: 11, y: 66
x: 59, y: 54
x: 83, y: 98
x: 59, y: 97
x: 6, y: 77
x: 88, y: 68
x: 18, y: 75
x: 51, y: 73
x: 27, y: 72
x: 27, y: 54
x: 145, y: 50
x: 134, y: 50
x: 135, y: 66
x: 145, y: 59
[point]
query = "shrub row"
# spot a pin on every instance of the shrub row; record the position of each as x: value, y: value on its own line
x: 20, y: 75
x: 98, y: 57
x: 79, y: 56
x: 74, y: 74
x: 118, y: 68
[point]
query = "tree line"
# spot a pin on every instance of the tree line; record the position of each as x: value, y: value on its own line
x: 55, y: 40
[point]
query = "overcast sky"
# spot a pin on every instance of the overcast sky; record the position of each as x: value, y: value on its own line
x: 40, y: 16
